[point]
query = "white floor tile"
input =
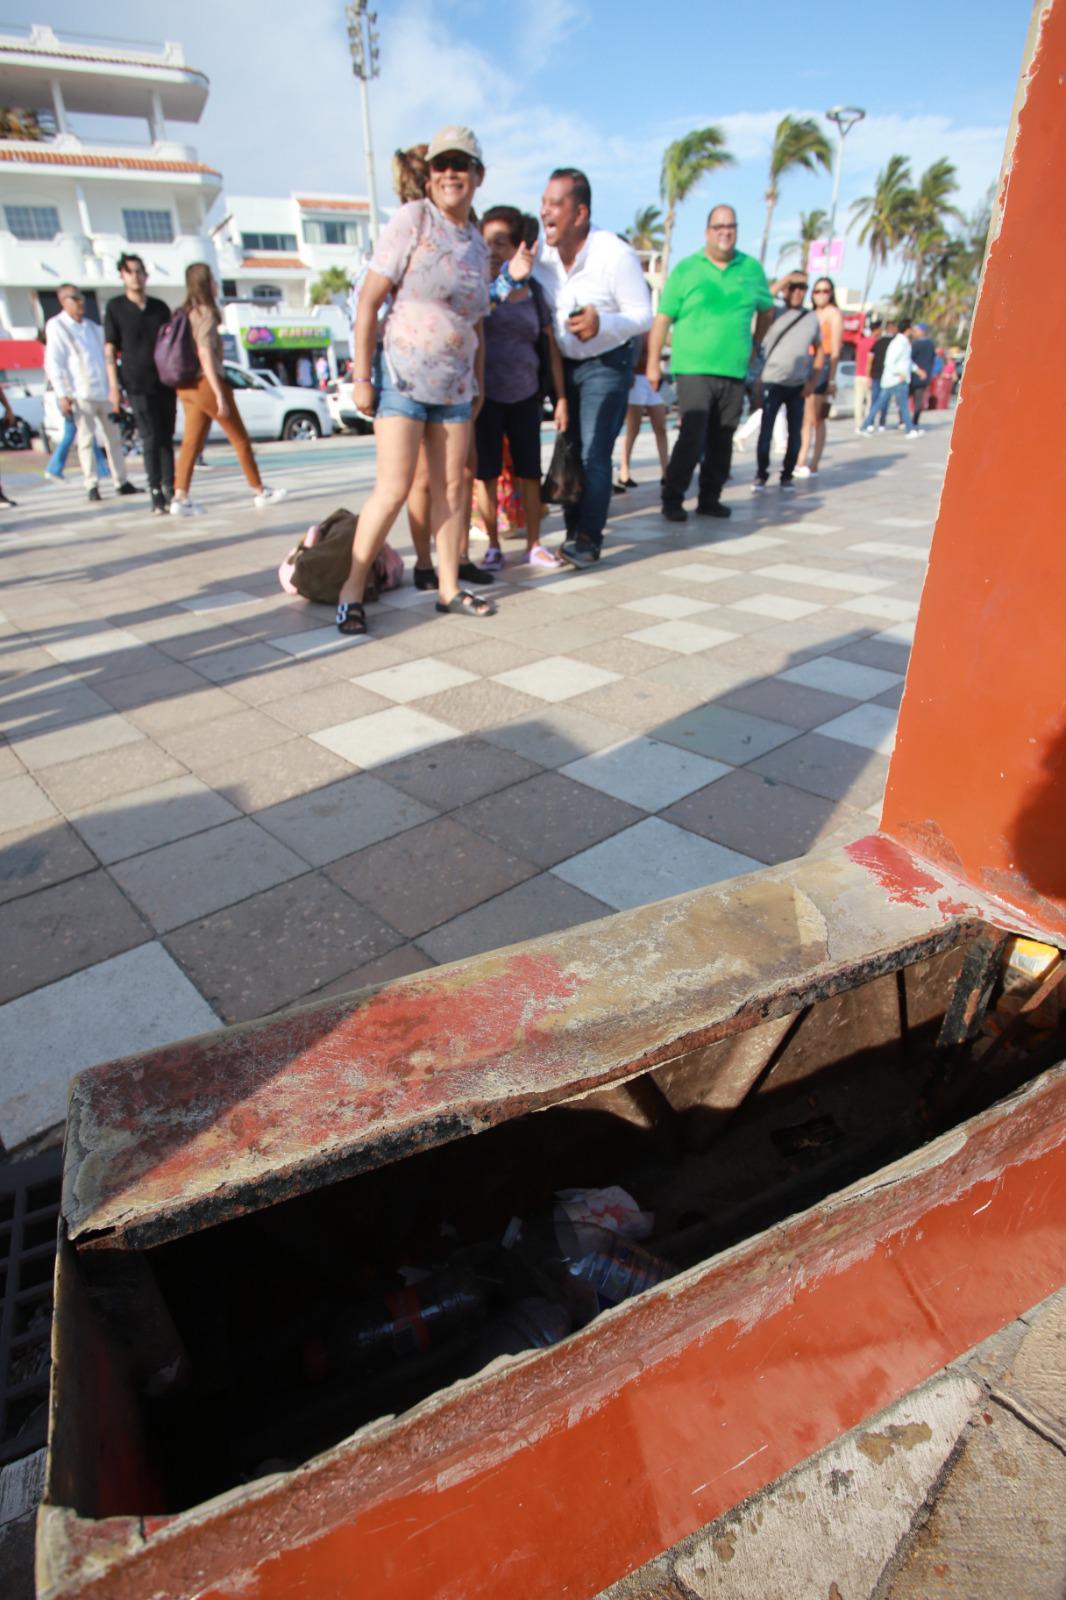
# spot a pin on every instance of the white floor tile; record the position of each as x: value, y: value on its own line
x: 414, y: 679
x: 872, y: 727
x: 646, y: 772
x: 904, y: 522
x: 823, y: 578
x: 686, y: 638
x: 834, y: 676
x: 317, y: 641
x: 884, y: 547
x: 882, y: 605
x: 899, y: 633
x: 385, y: 736
x: 776, y: 605
x: 137, y: 1001
x: 650, y: 861
x: 744, y: 545
x: 819, y: 529
x: 667, y: 605
x: 102, y: 643
x: 219, y: 602
x: 700, y: 572
x: 556, y: 678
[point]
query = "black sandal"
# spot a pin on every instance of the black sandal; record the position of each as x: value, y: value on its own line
x: 351, y: 618
x: 466, y: 605
x: 425, y: 578
x: 468, y: 573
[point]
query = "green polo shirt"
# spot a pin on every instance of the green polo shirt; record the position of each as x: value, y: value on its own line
x: 711, y: 309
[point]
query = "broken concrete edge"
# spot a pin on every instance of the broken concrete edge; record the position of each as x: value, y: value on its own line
x: 181, y: 1138
x: 518, y: 1401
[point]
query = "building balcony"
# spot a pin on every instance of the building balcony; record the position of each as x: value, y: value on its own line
x: 105, y: 77
x: 162, y: 158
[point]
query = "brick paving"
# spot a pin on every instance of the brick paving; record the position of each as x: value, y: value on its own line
x: 212, y: 807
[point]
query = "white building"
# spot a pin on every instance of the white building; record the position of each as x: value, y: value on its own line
x: 70, y: 203
x: 272, y: 251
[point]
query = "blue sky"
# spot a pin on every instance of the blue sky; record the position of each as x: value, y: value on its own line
x: 601, y: 86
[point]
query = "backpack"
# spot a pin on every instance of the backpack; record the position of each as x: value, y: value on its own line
x: 176, y: 360
x: 320, y: 562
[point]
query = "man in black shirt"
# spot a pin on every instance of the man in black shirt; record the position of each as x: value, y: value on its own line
x: 877, y: 367
x: 130, y: 327
x: 923, y: 354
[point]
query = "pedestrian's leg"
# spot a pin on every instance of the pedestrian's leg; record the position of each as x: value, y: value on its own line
x: 634, y: 415
x: 571, y: 376
x: 693, y: 399
x: 875, y: 401
x: 418, y: 515
x: 399, y: 440
x: 810, y: 420
x: 237, y: 434
x: 657, y: 418
x: 197, y: 427
x: 165, y: 406
x: 148, y: 429
x: 604, y: 393
x: 116, y: 456
x: 58, y: 462
x: 86, y: 436
x: 488, y: 509
x: 771, y: 402
x: 819, y: 431
x: 793, y: 402
x: 448, y: 449
x: 860, y: 400
x: 727, y: 402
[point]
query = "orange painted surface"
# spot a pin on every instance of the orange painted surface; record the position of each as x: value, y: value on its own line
x: 978, y: 780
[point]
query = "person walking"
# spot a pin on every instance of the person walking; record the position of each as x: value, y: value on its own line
x: 433, y: 263
x: 77, y: 370
x: 793, y: 361
x: 210, y: 398
x: 131, y: 323
x: 600, y: 303
x: 923, y: 354
x: 57, y: 461
x: 514, y: 332
x: 820, y: 402
x: 712, y: 299
x: 899, y: 368
x: 9, y: 421
x: 643, y: 401
x: 865, y: 345
x: 877, y: 367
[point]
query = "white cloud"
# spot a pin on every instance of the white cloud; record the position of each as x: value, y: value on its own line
x: 543, y: 28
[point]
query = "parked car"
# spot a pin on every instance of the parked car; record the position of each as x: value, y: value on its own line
x: 844, y: 400
x: 27, y: 404
x: 268, y: 409
x: 342, y: 408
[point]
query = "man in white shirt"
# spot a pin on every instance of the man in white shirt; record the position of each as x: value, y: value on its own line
x: 895, y: 382
x: 600, y: 303
x: 76, y: 368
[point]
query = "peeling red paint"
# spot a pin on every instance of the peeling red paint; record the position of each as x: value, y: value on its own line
x: 953, y: 908
x: 895, y: 869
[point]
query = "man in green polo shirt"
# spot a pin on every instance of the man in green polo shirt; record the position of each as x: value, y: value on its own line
x: 718, y: 301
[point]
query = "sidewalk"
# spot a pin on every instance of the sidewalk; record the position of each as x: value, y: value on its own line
x: 213, y: 807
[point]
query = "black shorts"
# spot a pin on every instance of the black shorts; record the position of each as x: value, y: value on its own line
x: 521, y: 423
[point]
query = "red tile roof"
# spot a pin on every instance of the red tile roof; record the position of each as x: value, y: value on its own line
x: 58, y: 158
x: 286, y: 262
x: 332, y: 205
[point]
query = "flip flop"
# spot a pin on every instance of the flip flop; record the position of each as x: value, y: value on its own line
x: 540, y: 557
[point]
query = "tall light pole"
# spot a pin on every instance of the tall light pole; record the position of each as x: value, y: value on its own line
x: 366, y: 64
x: 845, y: 118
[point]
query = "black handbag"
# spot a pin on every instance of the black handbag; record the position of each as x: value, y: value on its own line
x: 564, y: 481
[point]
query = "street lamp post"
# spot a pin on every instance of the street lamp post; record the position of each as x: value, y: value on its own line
x: 366, y: 64
x: 845, y: 118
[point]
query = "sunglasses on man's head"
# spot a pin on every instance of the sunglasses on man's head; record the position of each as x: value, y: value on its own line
x: 457, y: 162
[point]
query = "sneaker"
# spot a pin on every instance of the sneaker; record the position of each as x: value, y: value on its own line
x: 579, y: 552
x: 7, y: 504
x: 881, y: 428
x: 913, y: 433
x: 159, y: 504
x: 129, y: 488
x: 715, y: 510
x: 94, y: 493
x: 865, y: 430
x: 268, y: 497
x: 758, y: 486
x: 185, y: 508
x: 675, y: 513
x: 788, y: 485
x: 52, y: 477
x: 803, y: 472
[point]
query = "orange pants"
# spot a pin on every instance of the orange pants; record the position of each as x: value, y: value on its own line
x: 201, y: 409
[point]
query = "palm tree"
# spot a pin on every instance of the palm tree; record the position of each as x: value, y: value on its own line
x: 798, y: 142
x: 332, y: 282
x: 646, y: 230
x: 932, y: 208
x: 685, y: 162
x: 885, y: 215
x: 812, y: 225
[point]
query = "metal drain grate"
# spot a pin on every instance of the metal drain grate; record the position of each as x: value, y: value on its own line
x: 29, y: 1212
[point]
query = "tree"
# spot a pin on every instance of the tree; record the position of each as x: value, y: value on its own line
x: 798, y: 142
x: 813, y: 225
x: 333, y: 281
x: 885, y: 215
x: 646, y: 231
x: 685, y: 162
x: 931, y: 211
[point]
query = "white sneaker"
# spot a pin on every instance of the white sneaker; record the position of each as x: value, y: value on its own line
x: 186, y: 508
x: 268, y: 497
x: 801, y: 472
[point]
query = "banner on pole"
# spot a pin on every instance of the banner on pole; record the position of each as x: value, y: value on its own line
x: 825, y: 255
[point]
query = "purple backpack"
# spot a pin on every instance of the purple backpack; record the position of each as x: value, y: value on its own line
x: 176, y: 360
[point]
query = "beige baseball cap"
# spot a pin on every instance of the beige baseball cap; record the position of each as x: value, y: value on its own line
x: 455, y: 137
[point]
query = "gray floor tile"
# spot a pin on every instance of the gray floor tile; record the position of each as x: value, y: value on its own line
x: 47, y: 935
x: 876, y: 653
x: 399, y: 963
x: 36, y: 857
x: 764, y: 819
x: 556, y: 734
x: 224, y: 738
x: 645, y: 772
x: 651, y: 861
x: 137, y: 1001
x: 637, y: 704
x: 145, y: 688
x: 279, y: 946
x: 47, y: 749
x: 268, y: 777
x: 76, y: 784
x: 547, y: 818
x: 827, y: 767
x: 195, y: 709
x: 325, y: 706
x: 450, y: 775
x: 541, y: 905
x: 332, y: 822
x: 196, y: 876
x: 735, y: 737
x: 142, y: 819
x: 287, y: 680
x: 23, y: 803
x: 42, y: 701
x: 479, y: 705
x: 780, y: 701
x: 428, y: 875
x: 383, y: 736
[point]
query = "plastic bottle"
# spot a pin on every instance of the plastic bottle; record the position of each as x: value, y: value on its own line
x: 398, y: 1325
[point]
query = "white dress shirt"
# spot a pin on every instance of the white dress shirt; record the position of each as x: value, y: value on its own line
x: 606, y: 274
x: 897, y: 368
x: 74, y: 358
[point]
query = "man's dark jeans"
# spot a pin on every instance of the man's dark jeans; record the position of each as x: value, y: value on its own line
x: 710, y: 410
x: 154, y: 415
x: 596, y: 391
x: 774, y: 396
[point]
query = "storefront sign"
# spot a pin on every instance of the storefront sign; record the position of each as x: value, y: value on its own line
x: 284, y: 337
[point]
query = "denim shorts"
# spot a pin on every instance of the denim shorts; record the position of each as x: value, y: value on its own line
x: 391, y: 403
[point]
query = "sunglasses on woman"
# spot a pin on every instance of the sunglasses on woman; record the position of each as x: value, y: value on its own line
x: 451, y: 163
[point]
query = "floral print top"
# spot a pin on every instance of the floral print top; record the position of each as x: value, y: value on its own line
x: 441, y: 278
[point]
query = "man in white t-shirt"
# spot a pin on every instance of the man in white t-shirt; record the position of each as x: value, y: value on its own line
x: 76, y: 368
x: 595, y: 287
